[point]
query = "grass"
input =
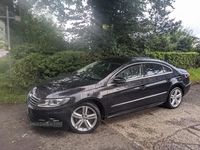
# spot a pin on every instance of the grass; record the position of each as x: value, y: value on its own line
x: 4, y: 66
x: 194, y: 75
x: 8, y: 93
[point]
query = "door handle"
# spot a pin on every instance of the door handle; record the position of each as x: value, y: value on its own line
x: 143, y: 87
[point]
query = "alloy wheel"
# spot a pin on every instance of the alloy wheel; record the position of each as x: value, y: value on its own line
x: 175, y: 97
x: 84, y: 118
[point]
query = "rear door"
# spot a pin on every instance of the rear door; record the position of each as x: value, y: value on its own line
x: 158, y: 83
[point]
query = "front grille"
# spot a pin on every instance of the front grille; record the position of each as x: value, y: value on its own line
x: 32, y: 100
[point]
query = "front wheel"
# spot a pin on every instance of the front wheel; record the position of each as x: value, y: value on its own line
x: 174, y: 98
x: 85, y: 118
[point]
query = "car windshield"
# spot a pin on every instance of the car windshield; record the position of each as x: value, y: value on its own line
x: 98, y: 70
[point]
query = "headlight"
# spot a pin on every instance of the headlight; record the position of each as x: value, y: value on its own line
x: 53, y: 102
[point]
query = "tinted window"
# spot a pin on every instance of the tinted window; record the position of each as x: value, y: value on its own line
x: 131, y: 72
x: 166, y: 69
x: 154, y: 69
x: 98, y: 70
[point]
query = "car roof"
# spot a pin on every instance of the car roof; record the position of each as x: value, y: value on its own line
x: 125, y: 60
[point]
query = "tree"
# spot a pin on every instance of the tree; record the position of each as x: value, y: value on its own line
x: 180, y: 40
x: 2, y: 31
x: 119, y: 17
x: 115, y: 21
x: 12, y: 4
x: 36, y: 34
x: 159, y: 21
x: 110, y: 26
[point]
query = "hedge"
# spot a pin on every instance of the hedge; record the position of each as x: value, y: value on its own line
x: 36, y: 67
x: 184, y: 60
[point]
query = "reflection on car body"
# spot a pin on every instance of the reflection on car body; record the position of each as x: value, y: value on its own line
x: 105, y: 89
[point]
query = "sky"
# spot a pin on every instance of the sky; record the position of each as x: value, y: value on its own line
x: 188, y: 11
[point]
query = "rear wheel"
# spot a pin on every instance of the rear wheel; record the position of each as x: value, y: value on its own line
x: 85, y: 118
x: 175, y: 98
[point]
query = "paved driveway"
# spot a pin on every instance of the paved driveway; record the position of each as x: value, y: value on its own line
x: 156, y: 128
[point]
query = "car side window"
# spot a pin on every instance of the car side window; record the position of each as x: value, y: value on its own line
x: 153, y: 69
x: 131, y: 72
x: 166, y: 69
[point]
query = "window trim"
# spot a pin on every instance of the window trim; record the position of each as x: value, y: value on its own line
x: 141, y: 63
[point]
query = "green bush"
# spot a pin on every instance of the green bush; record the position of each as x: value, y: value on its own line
x: 185, y: 60
x: 36, y: 67
x: 2, y: 45
x: 64, y: 63
x: 23, y: 50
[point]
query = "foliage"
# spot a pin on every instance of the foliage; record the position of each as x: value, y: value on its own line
x: 9, y: 93
x: 159, y: 21
x: 2, y: 32
x: 179, y: 59
x: 12, y: 5
x: 36, y: 35
x: 194, y: 75
x: 119, y: 16
x: 123, y: 24
x: 196, y: 44
x: 10, y: 96
x: 36, y: 67
x: 181, y: 40
x: 112, y: 25
x: 197, y: 48
x: 2, y: 45
x: 109, y: 47
x: 157, y: 42
x: 4, y: 64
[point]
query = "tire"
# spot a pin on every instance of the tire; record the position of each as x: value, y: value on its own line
x: 84, y: 118
x: 174, y: 98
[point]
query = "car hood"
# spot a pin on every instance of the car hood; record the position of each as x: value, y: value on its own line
x: 63, y: 87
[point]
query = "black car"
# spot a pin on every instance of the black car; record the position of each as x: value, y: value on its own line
x: 105, y: 89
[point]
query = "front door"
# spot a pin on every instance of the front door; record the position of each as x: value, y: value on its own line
x: 128, y: 95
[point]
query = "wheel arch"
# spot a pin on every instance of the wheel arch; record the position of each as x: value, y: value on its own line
x: 167, y: 103
x: 177, y: 85
x: 97, y: 103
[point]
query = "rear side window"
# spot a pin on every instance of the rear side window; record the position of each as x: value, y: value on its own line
x: 151, y: 69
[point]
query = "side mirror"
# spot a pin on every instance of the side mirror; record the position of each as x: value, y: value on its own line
x: 119, y: 80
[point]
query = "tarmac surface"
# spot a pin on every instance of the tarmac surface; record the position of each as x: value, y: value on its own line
x: 156, y: 128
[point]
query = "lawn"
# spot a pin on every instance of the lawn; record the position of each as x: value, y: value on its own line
x: 11, y: 94
x: 194, y: 75
x: 8, y: 93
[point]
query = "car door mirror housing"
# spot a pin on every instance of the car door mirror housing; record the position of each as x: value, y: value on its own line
x: 119, y: 80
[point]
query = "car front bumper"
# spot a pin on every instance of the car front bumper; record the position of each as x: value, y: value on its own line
x: 56, y: 117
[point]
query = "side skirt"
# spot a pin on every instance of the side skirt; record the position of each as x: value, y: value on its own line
x: 134, y: 110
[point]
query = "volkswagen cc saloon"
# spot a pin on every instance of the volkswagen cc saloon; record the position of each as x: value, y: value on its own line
x: 105, y: 89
